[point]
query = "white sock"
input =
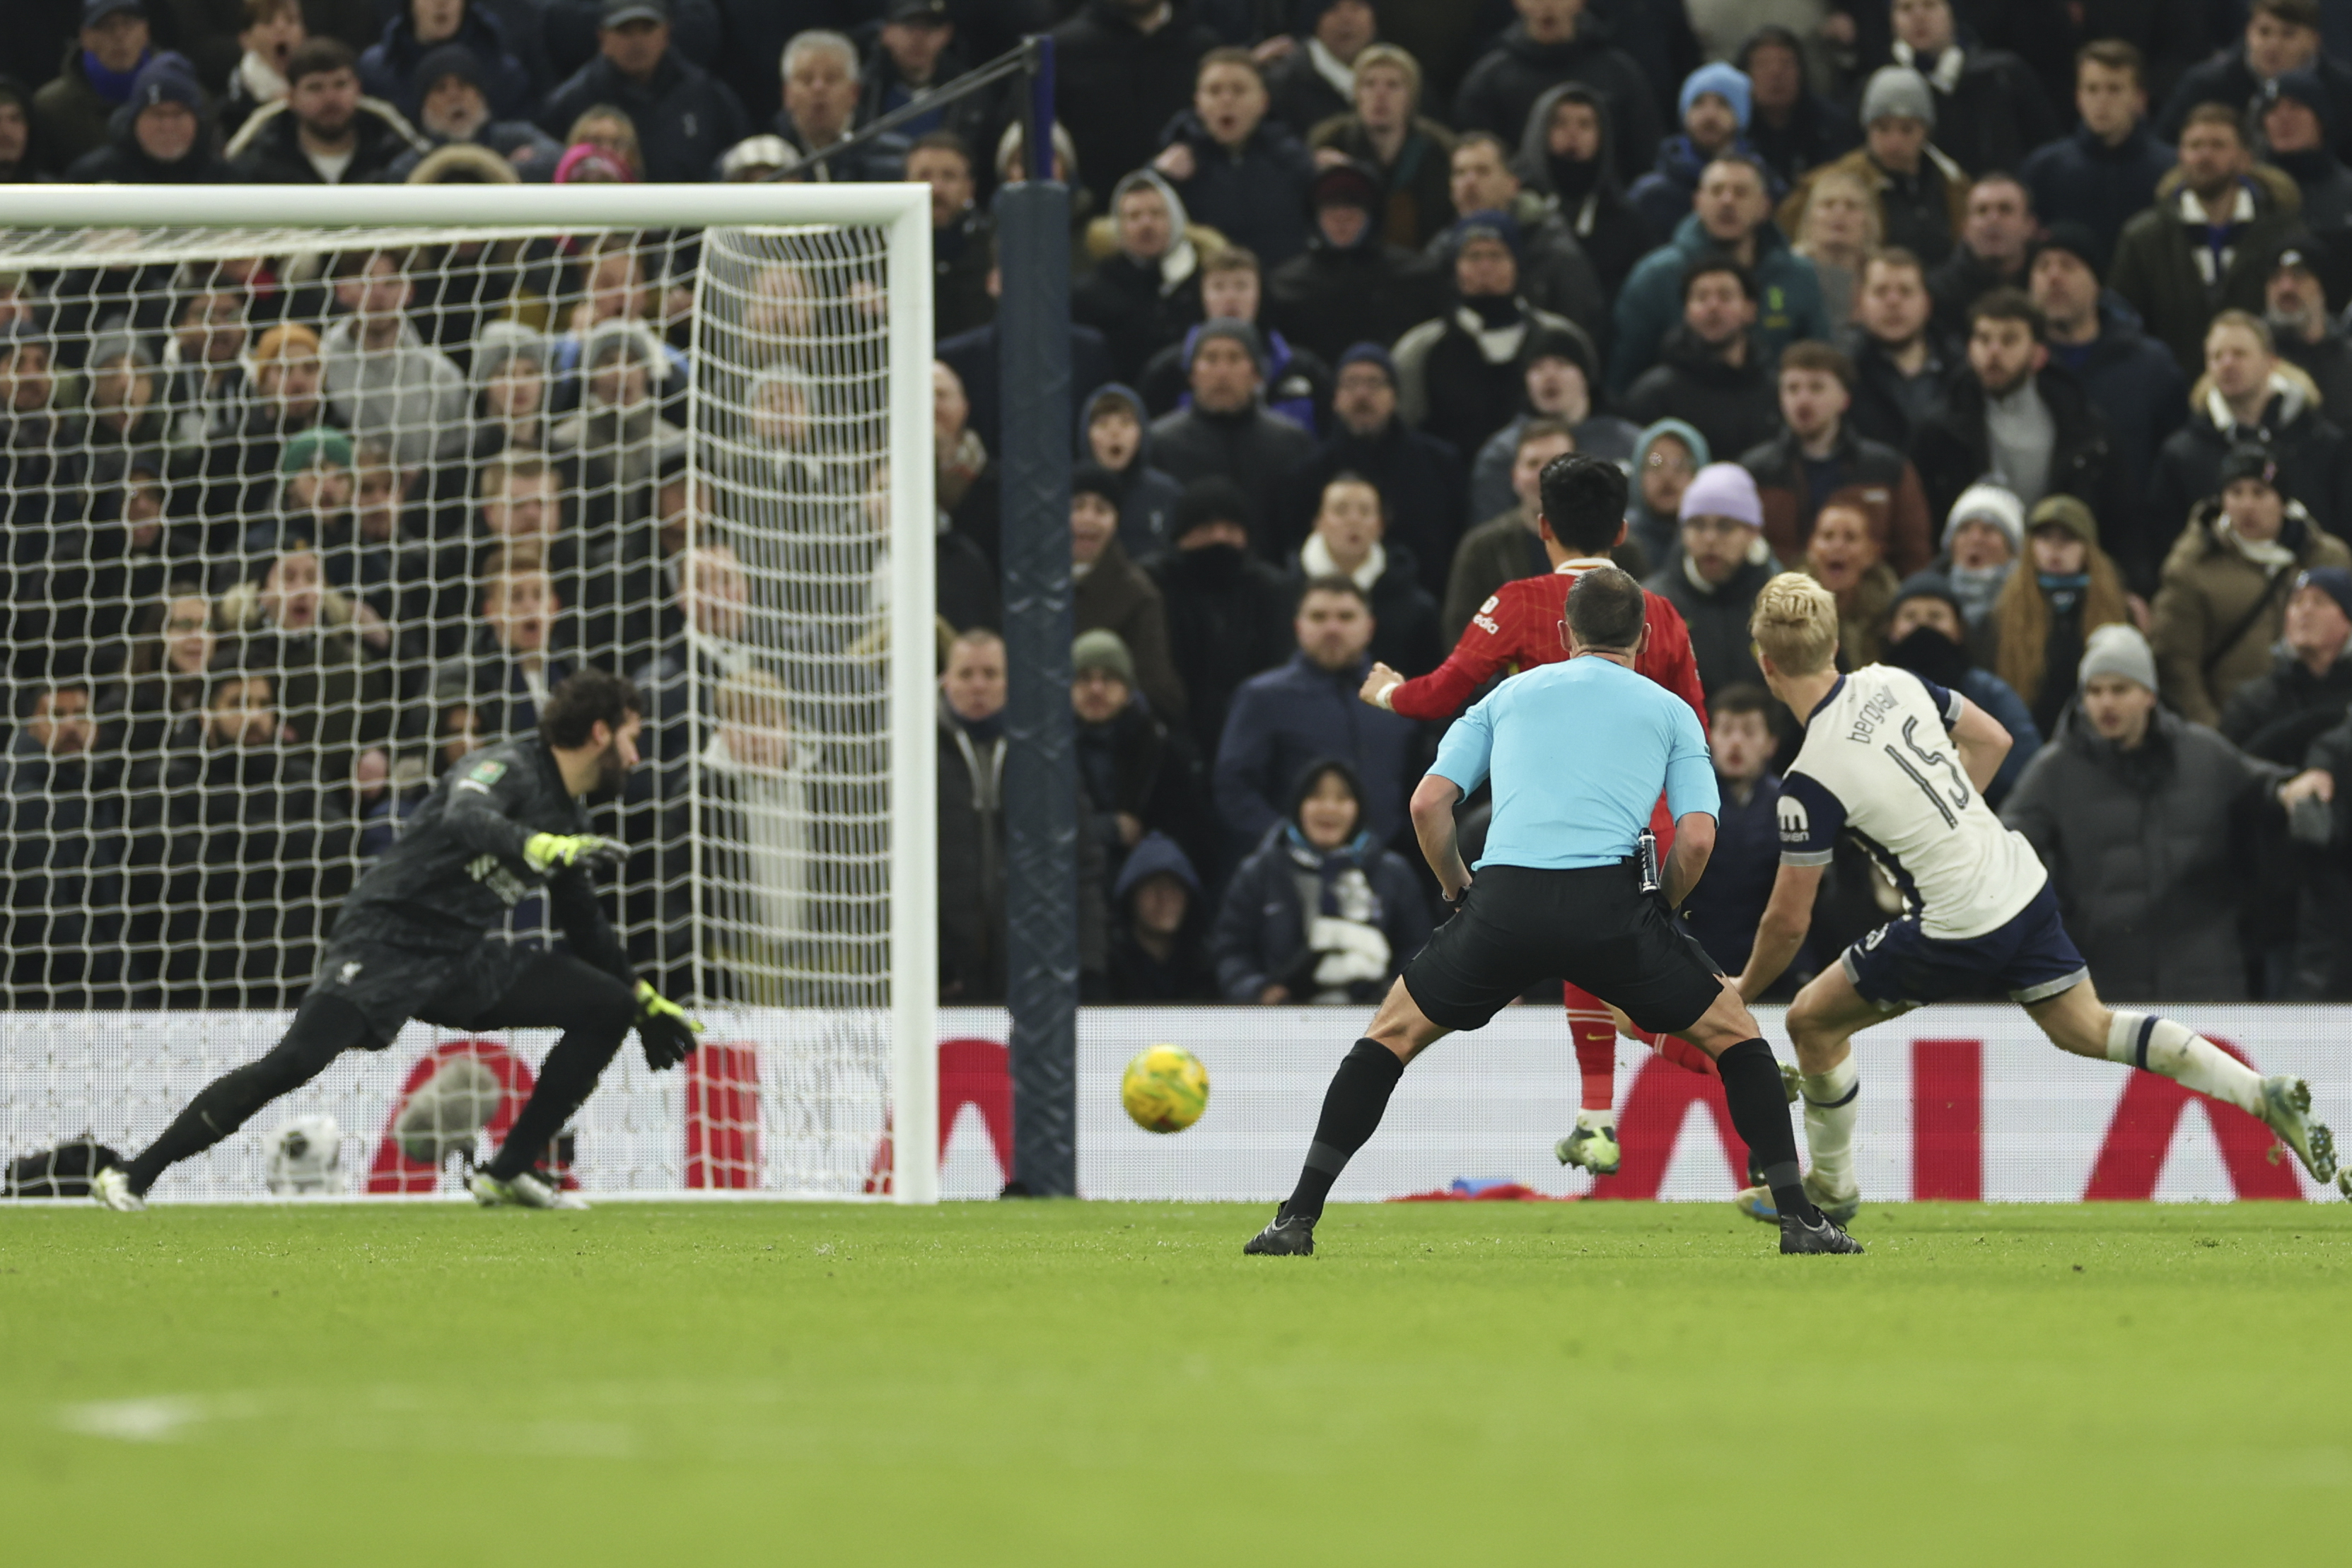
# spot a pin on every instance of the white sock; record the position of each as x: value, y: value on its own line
x: 1831, y: 1099
x: 1596, y: 1118
x: 2161, y: 1045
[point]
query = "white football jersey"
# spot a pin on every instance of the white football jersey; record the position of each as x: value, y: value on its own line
x: 1878, y: 762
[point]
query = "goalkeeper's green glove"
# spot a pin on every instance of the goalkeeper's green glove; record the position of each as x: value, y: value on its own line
x: 664, y: 1030
x: 557, y: 851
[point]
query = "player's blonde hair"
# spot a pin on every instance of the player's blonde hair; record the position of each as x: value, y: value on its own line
x: 1795, y: 623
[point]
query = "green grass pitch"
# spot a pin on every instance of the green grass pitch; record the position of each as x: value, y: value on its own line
x: 1051, y: 1383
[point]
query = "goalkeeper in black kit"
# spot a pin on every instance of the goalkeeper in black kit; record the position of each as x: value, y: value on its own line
x: 413, y: 941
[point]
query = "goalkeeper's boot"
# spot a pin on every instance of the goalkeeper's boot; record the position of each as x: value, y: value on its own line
x: 1590, y: 1148
x: 1818, y: 1233
x: 2286, y: 1106
x: 1285, y: 1236
x: 528, y: 1190
x: 112, y: 1188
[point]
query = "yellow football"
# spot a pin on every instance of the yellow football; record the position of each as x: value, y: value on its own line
x: 1165, y: 1089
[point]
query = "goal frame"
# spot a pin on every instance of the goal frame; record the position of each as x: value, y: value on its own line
x: 903, y: 213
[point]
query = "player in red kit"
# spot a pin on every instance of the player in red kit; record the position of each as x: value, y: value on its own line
x: 1520, y: 626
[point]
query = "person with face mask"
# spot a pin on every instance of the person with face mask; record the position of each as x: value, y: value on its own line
x: 2064, y: 589
x: 1927, y: 633
x: 1983, y: 538
x: 1228, y: 611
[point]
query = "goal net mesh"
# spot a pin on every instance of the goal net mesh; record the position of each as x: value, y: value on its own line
x: 298, y: 518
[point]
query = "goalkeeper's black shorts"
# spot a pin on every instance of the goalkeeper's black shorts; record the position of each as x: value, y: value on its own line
x: 1593, y: 927
x: 389, y: 986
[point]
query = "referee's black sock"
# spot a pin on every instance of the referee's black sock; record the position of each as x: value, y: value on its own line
x: 1352, y: 1108
x: 1759, y: 1110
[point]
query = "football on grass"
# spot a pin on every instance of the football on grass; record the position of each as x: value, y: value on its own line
x: 1165, y: 1089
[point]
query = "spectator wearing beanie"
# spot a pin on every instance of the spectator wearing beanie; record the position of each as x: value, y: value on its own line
x: 1927, y: 633
x: 1666, y: 457
x: 1233, y: 289
x: 1722, y: 565
x: 1561, y: 379
x: 1228, y: 611
x: 72, y: 110
x: 1713, y: 106
x: 2065, y: 589
x: 451, y: 91
x: 2226, y: 583
x: 2304, y: 276
x: 1409, y: 156
x: 1115, y: 431
x: 1351, y: 283
x: 1922, y: 193
x: 1991, y: 110
x: 2276, y: 716
x: 1419, y: 478
x: 2296, y: 119
x: 1458, y: 373
x: 2290, y: 40
x: 2137, y: 812
x: 1984, y: 538
x: 160, y: 135
x: 684, y: 117
x: 1111, y: 593
x: 1137, y: 774
x: 2108, y: 169
x: 1228, y: 431
x: 390, y: 67
x: 2131, y: 378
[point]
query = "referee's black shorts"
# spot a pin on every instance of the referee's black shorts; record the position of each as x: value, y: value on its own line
x: 1593, y: 927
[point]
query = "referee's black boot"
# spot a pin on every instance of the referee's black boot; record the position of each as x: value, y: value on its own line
x: 1283, y: 1238
x: 1816, y: 1232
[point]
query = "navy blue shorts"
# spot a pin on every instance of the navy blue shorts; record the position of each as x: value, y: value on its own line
x: 2030, y: 958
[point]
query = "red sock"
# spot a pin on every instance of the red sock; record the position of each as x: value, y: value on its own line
x: 1678, y: 1050
x: 1595, y: 1033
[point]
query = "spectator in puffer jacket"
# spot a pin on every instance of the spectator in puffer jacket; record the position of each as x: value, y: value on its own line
x: 2276, y: 716
x: 1554, y: 42
x: 2137, y: 814
x: 1321, y: 913
x: 389, y: 67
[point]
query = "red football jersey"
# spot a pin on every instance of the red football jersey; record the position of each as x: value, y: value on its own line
x: 1520, y: 627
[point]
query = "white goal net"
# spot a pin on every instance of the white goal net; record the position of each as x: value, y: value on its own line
x: 298, y: 515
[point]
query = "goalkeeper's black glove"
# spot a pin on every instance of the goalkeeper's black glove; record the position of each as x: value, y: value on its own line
x: 557, y: 852
x: 664, y: 1030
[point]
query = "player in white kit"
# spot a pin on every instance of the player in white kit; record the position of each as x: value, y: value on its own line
x: 1899, y: 764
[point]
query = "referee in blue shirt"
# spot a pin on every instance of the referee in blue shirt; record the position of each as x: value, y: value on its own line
x: 1579, y: 753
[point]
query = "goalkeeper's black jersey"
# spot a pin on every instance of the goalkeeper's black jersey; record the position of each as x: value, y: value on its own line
x: 458, y: 866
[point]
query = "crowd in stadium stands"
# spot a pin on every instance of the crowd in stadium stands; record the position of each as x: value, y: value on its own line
x: 2021, y: 326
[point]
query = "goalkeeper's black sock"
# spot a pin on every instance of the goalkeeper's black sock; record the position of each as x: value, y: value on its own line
x: 321, y: 1032
x: 1759, y: 1111
x: 1352, y: 1108
x: 565, y: 1080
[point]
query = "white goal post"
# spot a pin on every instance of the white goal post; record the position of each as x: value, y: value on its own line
x: 878, y: 1136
